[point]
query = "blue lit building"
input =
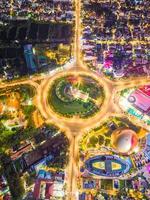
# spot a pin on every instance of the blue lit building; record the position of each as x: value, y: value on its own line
x: 29, y: 57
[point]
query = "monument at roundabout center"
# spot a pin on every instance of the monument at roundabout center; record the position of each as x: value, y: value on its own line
x: 76, y: 95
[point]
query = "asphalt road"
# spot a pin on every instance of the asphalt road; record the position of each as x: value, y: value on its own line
x: 75, y: 127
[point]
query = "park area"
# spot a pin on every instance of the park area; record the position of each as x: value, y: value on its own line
x: 101, y: 135
x: 76, y: 96
x: 111, y: 149
x: 17, y: 115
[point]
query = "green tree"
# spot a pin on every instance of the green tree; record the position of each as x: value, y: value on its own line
x: 100, y: 140
x: 93, y: 141
x: 14, y: 181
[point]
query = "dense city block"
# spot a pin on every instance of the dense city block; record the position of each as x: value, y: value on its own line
x: 74, y: 100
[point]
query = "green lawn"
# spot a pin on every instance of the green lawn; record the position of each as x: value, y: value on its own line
x: 69, y: 108
x: 106, y: 184
x: 92, y: 89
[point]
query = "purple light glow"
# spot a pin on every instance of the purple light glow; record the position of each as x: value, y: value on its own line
x: 148, y: 168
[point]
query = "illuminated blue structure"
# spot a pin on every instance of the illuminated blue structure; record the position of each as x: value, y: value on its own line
x: 138, y: 1
x: 108, y: 170
x: 28, y: 53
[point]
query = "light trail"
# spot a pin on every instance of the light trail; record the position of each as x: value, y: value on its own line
x: 74, y: 128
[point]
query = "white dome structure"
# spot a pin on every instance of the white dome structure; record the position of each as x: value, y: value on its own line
x: 124, y: 140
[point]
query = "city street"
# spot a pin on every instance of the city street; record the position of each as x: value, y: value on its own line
x: 75, y: 127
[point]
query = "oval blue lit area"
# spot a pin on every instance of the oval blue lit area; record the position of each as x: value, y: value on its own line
x: 107, y: 165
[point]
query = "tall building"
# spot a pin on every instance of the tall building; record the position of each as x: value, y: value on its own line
x: 28, y: 53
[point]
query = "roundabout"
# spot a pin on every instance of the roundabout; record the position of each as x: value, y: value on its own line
x: 75, y: 95
x: 103, y: 131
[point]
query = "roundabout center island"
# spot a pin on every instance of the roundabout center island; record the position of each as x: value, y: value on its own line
x: 75, y: 95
